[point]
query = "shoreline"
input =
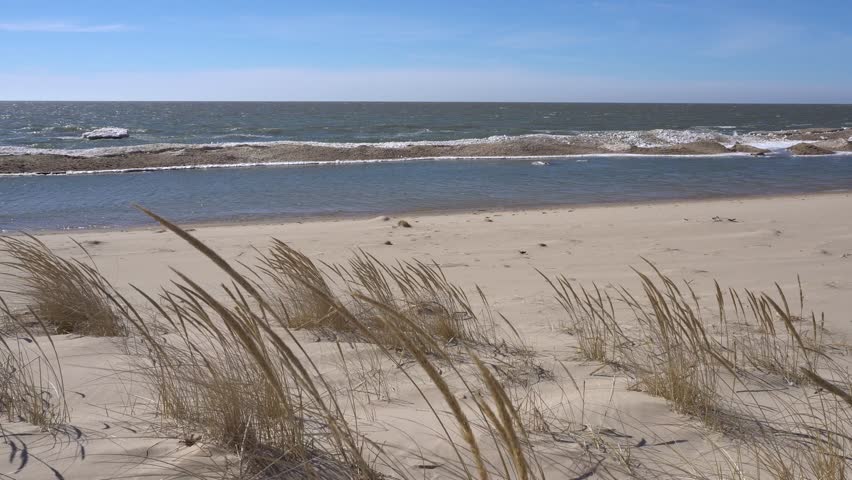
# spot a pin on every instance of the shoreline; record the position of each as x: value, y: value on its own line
x: 160, y: 157
x: 352, y: 162
x: 421, y: 213
x: 346, y: 162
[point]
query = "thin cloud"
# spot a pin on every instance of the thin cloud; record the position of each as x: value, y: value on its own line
x: 539, y: 40
x: 62, y: 27
x: 417, y: 84
x: 745, y: 38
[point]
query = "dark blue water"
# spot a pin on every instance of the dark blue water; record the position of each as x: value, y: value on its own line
x: 93, y: 201
x: 59, y: 125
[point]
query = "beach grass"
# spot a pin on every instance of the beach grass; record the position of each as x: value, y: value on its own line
x: 231, y: 367
x: 31, y: 383
x: 71, y: 296
x: 745, y: 373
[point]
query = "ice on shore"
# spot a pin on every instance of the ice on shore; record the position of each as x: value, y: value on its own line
x: 106, y: 132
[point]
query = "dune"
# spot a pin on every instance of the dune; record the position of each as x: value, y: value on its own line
x: 563, y: 400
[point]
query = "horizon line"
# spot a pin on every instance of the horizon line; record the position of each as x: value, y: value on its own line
x: 436, y: 101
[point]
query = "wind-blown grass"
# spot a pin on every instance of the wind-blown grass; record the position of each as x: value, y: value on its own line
x: 724, y: 371
x: 31, y: 383
x: 235, y: 377
x: 69, y: 295
x: 229, y: 367
x: 239, y: 375
x: 299, y: 289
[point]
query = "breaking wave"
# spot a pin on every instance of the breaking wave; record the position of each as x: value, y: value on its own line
x: 609, y: 140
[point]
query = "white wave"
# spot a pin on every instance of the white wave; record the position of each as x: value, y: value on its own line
x: 768, y: 143
x: 618, y: 140
x: 245, y: 135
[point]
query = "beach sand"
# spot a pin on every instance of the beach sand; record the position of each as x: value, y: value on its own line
x: 742, y: 243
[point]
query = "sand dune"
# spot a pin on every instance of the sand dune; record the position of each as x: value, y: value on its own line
x: 749, y: 244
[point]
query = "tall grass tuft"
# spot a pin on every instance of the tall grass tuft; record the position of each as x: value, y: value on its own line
x: 69, y: 295
x: 745, y: 372
x: 299, y: 290
x: 31, y: 383
x: 591, y: 318
x: 422, y: 292
x: 303, y: 295
x: 234, y: 371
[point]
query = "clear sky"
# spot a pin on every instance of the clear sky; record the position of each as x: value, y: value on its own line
x: 604, y: 50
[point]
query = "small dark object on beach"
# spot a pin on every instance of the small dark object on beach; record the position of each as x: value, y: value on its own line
x: 404, y: 224
x: 523, y: 252
x: 542, y: 244
x: 388, y: 242
x: 720, y: 219
x: 191, y: 440
x: 93, y: 242
x: 488, y: 219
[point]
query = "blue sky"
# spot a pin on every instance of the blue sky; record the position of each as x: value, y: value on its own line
x: 597, y: 50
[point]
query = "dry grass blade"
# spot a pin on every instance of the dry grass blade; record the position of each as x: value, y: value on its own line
x: 420, y: 290
x: 69, y: 295
x: 300, y: 290
x: 245, y: 386
x: 435, y: 376
x: 829, y: 386
x: 697, y: 365
x: 31, y: 383
x: 591, y: 318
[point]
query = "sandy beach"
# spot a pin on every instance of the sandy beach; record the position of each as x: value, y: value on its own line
x: 744, y: 244
x: 421, y: 241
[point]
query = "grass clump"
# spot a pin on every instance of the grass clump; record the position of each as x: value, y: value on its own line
x: 746, y: 373
x: 299, y: 289
x: 31, y: 384
x: 676, y: 359
x: 591, y: 319
x: 423, y: 293
x: 777, y: 345
x: 676, y: 354
x: 234, y: 372
x: 68, y: 295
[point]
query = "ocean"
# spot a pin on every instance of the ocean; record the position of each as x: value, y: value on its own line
x: 59, y: 125
x: 35, y: 203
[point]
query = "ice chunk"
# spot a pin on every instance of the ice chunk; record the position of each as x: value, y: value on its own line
x: 106, y: 132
